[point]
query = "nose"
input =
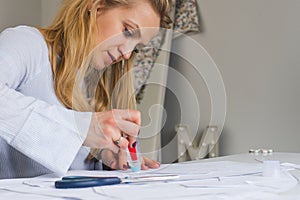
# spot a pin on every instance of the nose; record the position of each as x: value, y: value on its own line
x: 126, y: 49
x: 126, y: 55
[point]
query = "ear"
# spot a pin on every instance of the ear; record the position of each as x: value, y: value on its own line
x: 90, y: 5
x: 100, y: 5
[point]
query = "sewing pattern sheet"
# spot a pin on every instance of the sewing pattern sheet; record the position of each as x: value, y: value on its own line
x: 203, y: 180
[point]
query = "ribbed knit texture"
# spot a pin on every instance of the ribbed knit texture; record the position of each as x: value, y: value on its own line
x: 37, y: 134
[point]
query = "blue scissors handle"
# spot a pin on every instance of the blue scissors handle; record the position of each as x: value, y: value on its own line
x: 85, y: 181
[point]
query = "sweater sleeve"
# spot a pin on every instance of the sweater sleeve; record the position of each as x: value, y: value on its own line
x: 49, y: 134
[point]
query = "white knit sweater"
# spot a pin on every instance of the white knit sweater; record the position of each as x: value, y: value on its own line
x: 37, y: 133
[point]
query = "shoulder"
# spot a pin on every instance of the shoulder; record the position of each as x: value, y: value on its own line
x: 23, y: 49
x: 22, y: 37
x: 21, y: 31
x: 23, y: 43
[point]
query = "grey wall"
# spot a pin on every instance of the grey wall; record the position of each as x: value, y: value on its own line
x: 15, y: 12
x: 48, y: 8
x: 29, y: 12
x: 256, y: 46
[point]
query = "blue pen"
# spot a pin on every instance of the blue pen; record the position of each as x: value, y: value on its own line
x: 90, y: 181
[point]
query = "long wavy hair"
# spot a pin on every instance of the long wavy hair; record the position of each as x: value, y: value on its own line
x: 71, y: 39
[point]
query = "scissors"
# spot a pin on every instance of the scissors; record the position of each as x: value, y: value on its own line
x: 91, y: 181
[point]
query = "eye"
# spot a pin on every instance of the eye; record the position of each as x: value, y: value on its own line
x: 127, y: 32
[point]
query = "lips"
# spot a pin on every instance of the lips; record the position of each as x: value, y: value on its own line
x: 113, y: 59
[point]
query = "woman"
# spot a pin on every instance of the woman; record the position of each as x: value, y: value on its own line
x: 56, y: 86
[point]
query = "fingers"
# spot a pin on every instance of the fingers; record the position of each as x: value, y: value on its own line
x: 114, y: 161
x: 128, y: 115
x: 106, y: 129
x: 144, y: 166
x: 149, y: 163
x: 128, y: 121
x: 109, y: 159
x: 127, y: 127
x: 122, y: 143
x: 122, y: 159
x: 129, y: 137
x: 119, y: 161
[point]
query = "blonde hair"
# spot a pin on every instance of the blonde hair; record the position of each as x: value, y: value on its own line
x: 70, y: 39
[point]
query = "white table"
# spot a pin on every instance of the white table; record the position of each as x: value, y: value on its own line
x: 196, y: 188
x: 282, y: 157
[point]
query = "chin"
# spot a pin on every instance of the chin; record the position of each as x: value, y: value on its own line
x: 97, y: 64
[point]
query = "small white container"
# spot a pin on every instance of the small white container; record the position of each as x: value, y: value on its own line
x: 271, y: 168
x: 134, y: 157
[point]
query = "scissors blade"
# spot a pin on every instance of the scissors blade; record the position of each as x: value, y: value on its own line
x: 86, y: 177
x: 150, y: 178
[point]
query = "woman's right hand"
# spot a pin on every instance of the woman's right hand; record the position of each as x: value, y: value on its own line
x: 108, y: 127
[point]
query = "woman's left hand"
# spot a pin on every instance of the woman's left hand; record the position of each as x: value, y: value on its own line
x: 119, y: 161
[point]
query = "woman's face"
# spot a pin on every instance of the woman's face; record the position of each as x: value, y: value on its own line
x: 121, y: 30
